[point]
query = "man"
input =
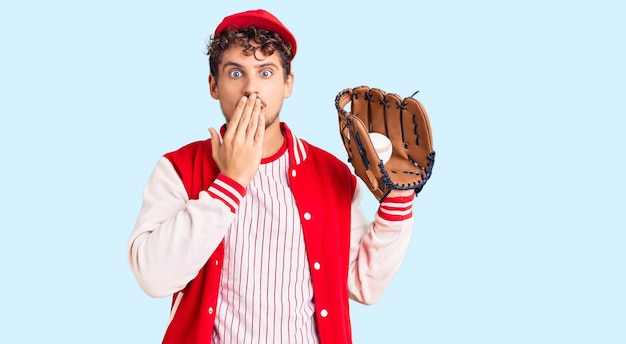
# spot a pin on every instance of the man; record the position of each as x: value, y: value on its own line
x: 256, y: 234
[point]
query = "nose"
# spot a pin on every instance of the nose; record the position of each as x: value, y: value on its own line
x: 250, y: 87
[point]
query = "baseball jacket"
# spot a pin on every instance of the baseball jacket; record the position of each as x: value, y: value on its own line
x: 176, y: 247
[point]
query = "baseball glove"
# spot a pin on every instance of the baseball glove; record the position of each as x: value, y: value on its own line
x: 403, y: 121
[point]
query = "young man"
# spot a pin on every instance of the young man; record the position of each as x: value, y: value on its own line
x: 256, y: 234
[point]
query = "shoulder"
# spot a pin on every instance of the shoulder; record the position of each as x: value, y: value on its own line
x: 194, y: 165
x: 319, y: 153
x: 190, y: 150
x: 322, y: 158
x: 303, y: 152
x: 192, y: 157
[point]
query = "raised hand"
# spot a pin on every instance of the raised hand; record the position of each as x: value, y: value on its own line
x: 238, y: 153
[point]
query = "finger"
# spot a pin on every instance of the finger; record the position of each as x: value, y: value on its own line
x: 233, y: 123
x: 244, y: 121
x: 259, y: 133
x: 216, y: 142
x: 215, y: 136
x: 254, y: 119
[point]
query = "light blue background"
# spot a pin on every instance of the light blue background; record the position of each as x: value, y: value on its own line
x: 519, y: 235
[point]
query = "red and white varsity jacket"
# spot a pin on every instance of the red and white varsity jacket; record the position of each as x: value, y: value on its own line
x: 176, y: 246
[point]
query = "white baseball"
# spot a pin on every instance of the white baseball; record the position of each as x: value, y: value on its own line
x: 382, y: 145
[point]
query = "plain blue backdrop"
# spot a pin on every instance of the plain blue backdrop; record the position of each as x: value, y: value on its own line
x: 519, y: 235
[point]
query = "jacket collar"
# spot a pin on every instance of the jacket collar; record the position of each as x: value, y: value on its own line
x: 295, y: 146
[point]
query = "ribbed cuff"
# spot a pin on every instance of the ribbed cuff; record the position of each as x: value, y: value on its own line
x: 228, y: 191
x: 396, y: 208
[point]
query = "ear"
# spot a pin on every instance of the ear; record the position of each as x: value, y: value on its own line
x: 288, y: 86
x: 213, y: 87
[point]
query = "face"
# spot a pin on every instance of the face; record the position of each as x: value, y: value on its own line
x: 241, y: 75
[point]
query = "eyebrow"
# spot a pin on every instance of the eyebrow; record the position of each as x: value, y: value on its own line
x: 237, y: 65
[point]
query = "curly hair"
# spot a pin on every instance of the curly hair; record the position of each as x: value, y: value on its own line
x: 269, y: 42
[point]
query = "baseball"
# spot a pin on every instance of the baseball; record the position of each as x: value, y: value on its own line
x: 382, y: 145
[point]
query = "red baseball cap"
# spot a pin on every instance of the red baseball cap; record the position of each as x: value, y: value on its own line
x: 260, y: 18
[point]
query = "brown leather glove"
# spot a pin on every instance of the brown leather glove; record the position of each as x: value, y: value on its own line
x: 406, y: 124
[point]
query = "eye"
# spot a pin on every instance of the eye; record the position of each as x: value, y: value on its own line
x: 235, y: 73
x: 266, y: 73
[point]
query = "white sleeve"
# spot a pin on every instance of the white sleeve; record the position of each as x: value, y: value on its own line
x: 174, y: 236
x: 377, y: 248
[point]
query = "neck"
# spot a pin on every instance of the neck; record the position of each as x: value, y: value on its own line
x: 273, y: 139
